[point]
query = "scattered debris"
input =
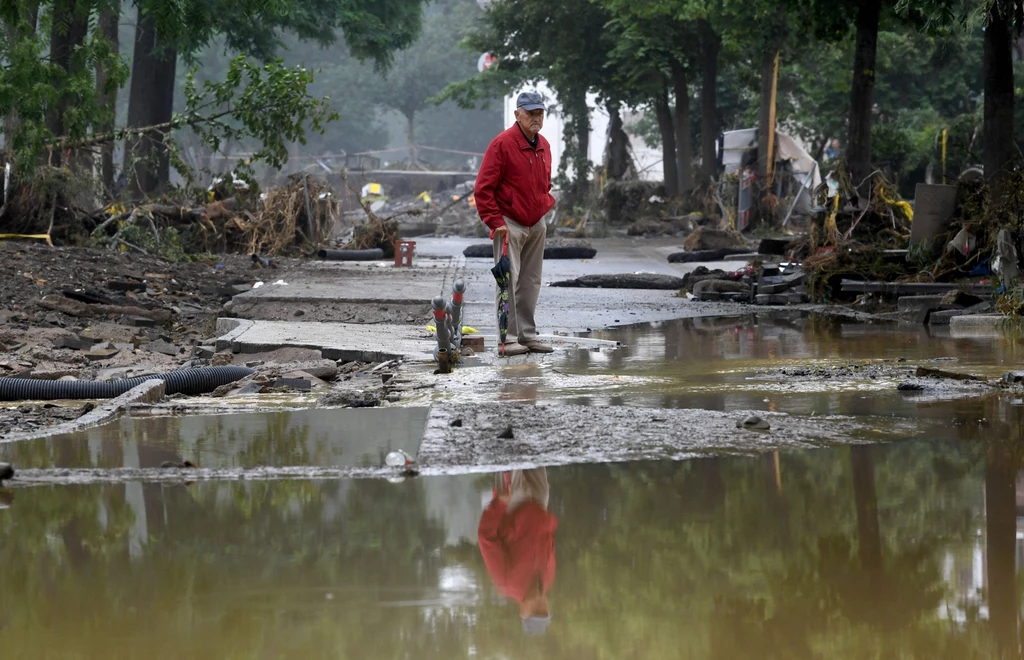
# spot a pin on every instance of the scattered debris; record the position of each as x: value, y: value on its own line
x: 753, y: 423
x: 929, y: 372
x: 180, y: 466
x: 706, y: 238
x: 704, y: 256
x: 624, y: 281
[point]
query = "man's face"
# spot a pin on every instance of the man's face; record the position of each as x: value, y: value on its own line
x: 530, y: 120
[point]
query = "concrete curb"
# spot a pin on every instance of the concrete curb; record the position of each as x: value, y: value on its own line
x: 229, y: 330
x: 151, y: 391
x: 978, y: 325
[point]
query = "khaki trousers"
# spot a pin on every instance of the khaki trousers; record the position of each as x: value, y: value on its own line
x: 526, y: 253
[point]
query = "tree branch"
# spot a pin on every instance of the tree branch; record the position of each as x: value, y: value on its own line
x: 113, y: 136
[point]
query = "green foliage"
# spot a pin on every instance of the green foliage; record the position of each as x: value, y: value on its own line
x: 268, y: 103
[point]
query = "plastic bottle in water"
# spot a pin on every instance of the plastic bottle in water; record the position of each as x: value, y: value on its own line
x: 397, y: 458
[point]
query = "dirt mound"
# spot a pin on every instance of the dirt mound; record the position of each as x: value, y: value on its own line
x: 706, y: 238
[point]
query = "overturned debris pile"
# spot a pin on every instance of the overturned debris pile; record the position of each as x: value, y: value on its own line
x: 289, y: 219
x: 302, y: 211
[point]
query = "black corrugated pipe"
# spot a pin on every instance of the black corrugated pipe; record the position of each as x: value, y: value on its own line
x: 376, y: 254
x: 184, y: 381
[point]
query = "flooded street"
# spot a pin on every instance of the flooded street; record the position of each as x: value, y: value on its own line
x: 906, y: 548
x: 899, y: 550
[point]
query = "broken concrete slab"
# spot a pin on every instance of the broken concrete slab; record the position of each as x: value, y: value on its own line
x: 98, y: 354
x: 204, y: 352
x: 164, y: 347
x: 780, y: 283
x: 74, y: 343
x: 335, y: 341
x: 977, y: 325
x: 943, y: 316
x: 624, y: 281
x: 907, y: 304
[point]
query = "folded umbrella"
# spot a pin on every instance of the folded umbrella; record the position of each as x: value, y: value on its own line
x: 502, y: 272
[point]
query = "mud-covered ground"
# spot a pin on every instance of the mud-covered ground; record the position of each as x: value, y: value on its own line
x: 79, y: 313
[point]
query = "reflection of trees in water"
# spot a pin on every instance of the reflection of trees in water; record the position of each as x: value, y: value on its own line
x: 711, y: 559
x: 820, y: 554
x: 216, y: 581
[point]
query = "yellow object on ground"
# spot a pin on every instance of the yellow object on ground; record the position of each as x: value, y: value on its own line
x: 41, y: 237
x: 424, y: 197
x: 466, y: 330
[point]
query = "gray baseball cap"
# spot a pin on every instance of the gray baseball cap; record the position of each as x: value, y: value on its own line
x: 530, y: 101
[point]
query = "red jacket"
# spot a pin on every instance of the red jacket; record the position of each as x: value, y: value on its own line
x: 518, y: 548
x: 514, y: 180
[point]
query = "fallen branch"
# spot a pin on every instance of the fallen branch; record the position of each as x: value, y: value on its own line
x: 80, y: 309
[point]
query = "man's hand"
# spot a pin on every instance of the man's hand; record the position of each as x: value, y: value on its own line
x: 501, y: 232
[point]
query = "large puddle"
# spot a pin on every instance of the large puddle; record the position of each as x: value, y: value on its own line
x: 735, y: 364
x: 353, y: 437
x: 902, y: 550
x: 905, y: 550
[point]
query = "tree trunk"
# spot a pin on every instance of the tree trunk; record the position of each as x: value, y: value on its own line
x: 866, y: 504
x: 668, y: 144
x: 579, y: 117
x: 107, y: 98
x: 684, y: 140
x: 410, y: 134
x: 766, y: 120
x: 999, y: 146
x: 1000, y: 549
x: 709, y: 105
x: 618, y: 145
x: 858, y: 147
x: 67, y: 32
x: 150, y: 102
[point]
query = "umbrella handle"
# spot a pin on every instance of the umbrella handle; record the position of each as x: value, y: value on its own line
x: 504, y: 246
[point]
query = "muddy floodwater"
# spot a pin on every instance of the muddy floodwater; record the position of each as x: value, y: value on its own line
x: 900, y: 550
x: 798, y: 364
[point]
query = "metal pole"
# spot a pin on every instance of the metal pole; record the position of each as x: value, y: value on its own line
x: 443, y: 338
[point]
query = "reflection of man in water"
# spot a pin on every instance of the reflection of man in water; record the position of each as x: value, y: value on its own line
x: 517, y: 541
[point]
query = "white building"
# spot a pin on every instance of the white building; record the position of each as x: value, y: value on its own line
x: 647, y: 160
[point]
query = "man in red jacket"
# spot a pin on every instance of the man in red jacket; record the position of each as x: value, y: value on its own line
x: 517, y: 541
x: 513, y: 194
